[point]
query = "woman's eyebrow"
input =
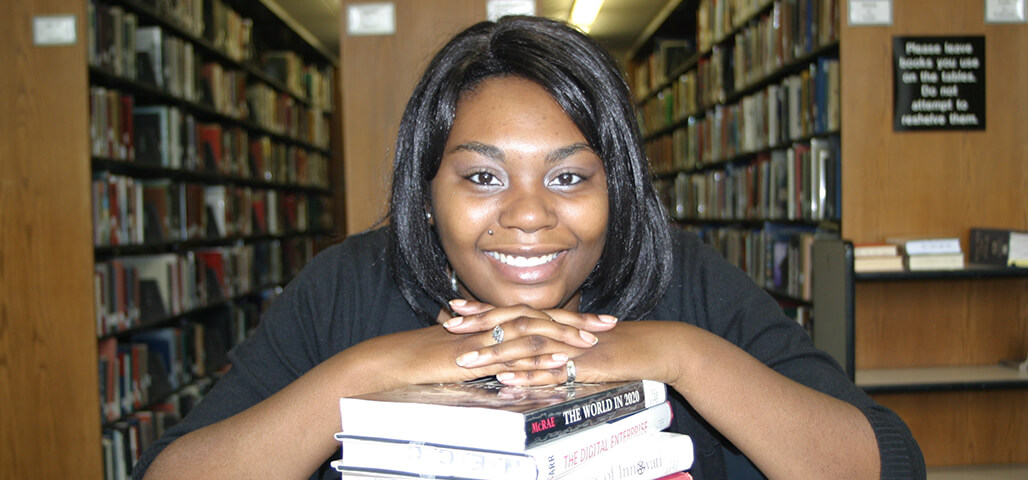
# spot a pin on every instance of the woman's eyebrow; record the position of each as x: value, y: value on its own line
x: 495, y: 153
x: 489, y: 151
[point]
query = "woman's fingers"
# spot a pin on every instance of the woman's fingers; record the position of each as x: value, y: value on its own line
x: 479, y: 317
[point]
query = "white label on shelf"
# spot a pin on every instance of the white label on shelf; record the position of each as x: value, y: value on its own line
x: 371, y: 18
x: 498, y: 8
x: 1005, y: 11
x: 49, y: 30
x: 870, y: 12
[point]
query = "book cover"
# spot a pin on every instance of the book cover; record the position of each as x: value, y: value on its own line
x: 941, y: 261
x: 489, y: 415
x: 893, y: 263
x: 546, y: 461
x: 926, y: 245
x: 995, y: 246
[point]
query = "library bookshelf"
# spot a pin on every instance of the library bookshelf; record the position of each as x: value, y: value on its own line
x: 739, y: 106
x: 162, y: 197
x: 211, y: 130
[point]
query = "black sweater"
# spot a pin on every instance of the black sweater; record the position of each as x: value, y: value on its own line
x: 347, y: 295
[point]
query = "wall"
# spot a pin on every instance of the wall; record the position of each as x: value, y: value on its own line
x: 49, y: 410
x: 377, y: 76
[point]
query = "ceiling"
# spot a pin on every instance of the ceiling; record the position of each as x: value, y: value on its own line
x: 619, y: 25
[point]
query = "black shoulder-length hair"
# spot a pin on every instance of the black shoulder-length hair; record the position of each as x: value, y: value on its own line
x: 634, y: 269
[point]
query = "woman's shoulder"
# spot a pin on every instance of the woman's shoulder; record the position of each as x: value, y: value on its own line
x: 363, y: 252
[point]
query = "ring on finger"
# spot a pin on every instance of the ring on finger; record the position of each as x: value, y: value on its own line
x: 498, y: 334
x: 571, y: 372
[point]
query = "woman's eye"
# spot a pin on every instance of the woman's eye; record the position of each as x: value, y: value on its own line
x: 484, y: 178
x: 567, y: 179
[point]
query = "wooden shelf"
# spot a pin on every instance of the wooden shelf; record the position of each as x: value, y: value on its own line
x: 901, y: 380
x: 1016, y: 471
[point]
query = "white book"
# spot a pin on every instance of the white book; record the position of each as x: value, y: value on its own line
x: 654, y: 456
x: 546, y: 461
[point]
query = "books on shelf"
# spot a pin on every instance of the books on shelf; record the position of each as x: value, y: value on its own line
x: 996, y: 246
x: 492, y: 416
x: 926, y: 245
x: 937, y: 261
x: 877, y: 257
x: 927, y: 253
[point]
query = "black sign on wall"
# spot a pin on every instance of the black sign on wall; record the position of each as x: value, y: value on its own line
x: 938, y: 83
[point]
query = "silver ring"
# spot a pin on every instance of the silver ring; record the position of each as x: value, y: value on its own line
x: 570, y: 366
x: 498, y: 334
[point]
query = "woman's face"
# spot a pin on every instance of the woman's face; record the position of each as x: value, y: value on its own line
x: 516, y: 165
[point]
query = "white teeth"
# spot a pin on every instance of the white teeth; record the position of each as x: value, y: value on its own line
x: 522, y: 262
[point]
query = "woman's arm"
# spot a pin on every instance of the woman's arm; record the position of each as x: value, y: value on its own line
x: 290, y: 433
x: 787, y: 429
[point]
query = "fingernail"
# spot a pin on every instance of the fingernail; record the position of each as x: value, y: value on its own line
x: 559, y: 357
x: 505, y: 376
x: 608, y: 319
x: 588, y: 337
x: 453, y: 322
x: 467, y: 358
x: 458, y: 302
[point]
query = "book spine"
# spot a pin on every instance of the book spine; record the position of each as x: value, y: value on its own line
x: 654, y: 456
x: 551, y: 423
x: 566, y: 454
x: 989, y: 246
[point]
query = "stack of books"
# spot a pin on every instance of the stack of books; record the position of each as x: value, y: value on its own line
x: 490, y: 431
x: 930, y: 253
x: 877, y: 257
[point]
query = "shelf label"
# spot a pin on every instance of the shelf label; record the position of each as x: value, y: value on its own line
x: 939, y: 83
x: 371, y: 18
x: 1005, y: 11
x: 870, y: 12
x: 498, y: 8
x: 53, y: 30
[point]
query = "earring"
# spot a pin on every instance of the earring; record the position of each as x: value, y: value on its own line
x: 490, y: 232
x: 428, y: 215
x: 453, y: 282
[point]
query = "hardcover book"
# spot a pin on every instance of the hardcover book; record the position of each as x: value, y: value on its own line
x: 489, y: 415
x: 993, y: 246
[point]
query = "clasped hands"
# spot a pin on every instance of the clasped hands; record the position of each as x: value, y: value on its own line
x: 532, y: 346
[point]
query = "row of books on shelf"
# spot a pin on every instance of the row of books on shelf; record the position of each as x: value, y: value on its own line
x: 141, y: 290
x: 173, y: 137
x: 144, y: 211
x: 485, y: 430
x: 121, y: 44
x: 798, y: 106
x: 799, y: 183
x: 995, y: 247
x: 149, y: 365
x: 777, y: 257
x: 803, y: 24
x: 766, y: 35
x: 125, y: 439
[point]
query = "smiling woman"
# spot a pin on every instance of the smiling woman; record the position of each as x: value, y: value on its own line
x: 525, y: 241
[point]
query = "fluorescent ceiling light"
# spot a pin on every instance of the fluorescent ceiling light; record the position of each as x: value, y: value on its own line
x: 584, y: 13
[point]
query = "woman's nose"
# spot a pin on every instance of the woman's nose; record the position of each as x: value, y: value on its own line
x: 528, y: 208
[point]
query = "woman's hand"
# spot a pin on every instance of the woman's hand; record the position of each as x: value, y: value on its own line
x: 542, y: 340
